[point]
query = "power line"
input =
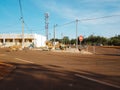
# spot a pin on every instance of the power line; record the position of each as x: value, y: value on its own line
x: 98, y: 18
x: 36, y: 30
x: 21, y: 9
x: 76, y: 21
x: 22, y: 15
x: 88, y: 19
x: 22, y: 18
x: 66, y: 23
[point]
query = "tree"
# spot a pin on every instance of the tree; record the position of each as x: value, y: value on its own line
x: 56, y: 40
x: 97, y: 40
x: 91, y: 40
x: 114, y: 40
x: 66, y: 40
x: 73, y: 41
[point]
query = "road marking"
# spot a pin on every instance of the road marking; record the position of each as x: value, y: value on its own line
x: 24, y: 60
x: 98, y: 81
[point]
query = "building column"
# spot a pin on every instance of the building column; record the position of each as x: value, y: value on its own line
x: 13, y: 41
x: 4, y: 41
x: 1, y: 42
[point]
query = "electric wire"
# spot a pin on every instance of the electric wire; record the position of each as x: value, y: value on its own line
x: 20, y: 9
x: 22, y: 18
x: 65, y: 24
x: 88, y: 19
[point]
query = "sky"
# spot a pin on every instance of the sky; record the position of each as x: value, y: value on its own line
x: 61, y: 12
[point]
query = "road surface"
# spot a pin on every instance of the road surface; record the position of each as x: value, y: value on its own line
x: 42, y: 70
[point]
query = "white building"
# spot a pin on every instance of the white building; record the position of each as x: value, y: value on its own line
x: 16, y: 39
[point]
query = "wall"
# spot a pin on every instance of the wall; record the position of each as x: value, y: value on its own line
x: 16, y: 39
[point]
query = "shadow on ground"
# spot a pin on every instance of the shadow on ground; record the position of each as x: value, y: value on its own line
x: 38, y: 77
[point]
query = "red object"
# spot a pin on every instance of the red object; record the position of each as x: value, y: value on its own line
x: 81, y: 38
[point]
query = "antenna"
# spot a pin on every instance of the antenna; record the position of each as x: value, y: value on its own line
x: 46, y: 24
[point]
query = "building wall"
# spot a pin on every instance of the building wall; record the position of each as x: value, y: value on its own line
x: 16, y: 39
x: 39, y: 40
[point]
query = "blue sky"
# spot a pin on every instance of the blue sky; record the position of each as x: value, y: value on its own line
x: 61, y: 12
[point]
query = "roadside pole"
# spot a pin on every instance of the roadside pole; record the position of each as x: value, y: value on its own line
x: 54, y: 34
x: 81, y: 39
x: 22, y: 33
x: 76, y: 33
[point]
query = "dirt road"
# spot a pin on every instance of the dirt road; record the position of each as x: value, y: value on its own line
x: 42, y: 70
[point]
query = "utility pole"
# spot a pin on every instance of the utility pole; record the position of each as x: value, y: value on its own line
x: 46, y: 24
x: 22, y: 20
x: 62, y: 38
x: 76, y: 33
x: 54, y: 34
x: 22, y: 32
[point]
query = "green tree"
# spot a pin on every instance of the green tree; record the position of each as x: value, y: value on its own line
x: 95, y: 40
x: 73, y: 41
x: 114, y: 40
x: 56, y: 40
x: 66, y: 40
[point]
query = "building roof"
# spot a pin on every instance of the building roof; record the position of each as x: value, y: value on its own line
x: 19, y: 35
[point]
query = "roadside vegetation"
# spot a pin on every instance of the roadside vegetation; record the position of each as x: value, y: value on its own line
x: 92, y: 40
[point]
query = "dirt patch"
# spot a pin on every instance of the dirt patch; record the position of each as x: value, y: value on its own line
x: 73, y: 50
x: 116, y: 47
x: 102, y: 66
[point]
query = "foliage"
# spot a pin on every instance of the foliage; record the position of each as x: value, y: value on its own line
x: 97, y: 40
x: 66, y: 40
x: 114, y: 40
x: 72, y: 41
x: 92, y: 40
x: 56, y: 40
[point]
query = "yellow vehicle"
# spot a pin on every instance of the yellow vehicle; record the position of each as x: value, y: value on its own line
x: 15, y: 48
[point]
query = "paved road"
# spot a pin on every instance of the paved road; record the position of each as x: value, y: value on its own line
x: 50, y: 71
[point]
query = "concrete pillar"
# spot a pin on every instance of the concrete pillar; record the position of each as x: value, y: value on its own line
x: 13, y: 41
x: 4, y: 41
x: 1, y: 42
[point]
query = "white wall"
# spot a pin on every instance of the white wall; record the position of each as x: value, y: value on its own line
x: 39, y: 40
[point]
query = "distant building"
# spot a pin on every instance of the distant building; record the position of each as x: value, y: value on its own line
x: 16, y: 39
